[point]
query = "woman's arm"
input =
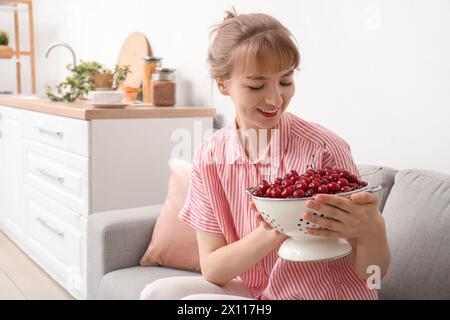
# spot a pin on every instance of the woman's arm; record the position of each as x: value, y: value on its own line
x: 221, y: 263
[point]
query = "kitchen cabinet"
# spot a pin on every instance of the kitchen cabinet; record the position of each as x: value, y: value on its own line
x: 12, y: 216
x: 55, y: 171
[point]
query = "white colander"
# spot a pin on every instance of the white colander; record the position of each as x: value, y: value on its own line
x: 286, y: 216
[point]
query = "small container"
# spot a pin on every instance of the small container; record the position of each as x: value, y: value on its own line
x: 150, y: 65
x: 164, y: 87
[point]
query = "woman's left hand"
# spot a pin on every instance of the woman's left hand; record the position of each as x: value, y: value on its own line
x: 355, y: 218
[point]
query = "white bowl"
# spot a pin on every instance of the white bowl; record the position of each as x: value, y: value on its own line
x: 286, y: 216
x: 104, y: 97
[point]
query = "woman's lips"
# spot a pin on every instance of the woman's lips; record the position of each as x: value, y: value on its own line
x: 268, y: 112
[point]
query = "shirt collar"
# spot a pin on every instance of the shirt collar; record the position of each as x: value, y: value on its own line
x: 274, y: 152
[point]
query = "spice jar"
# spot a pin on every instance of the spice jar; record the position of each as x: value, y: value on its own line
x: 150, y: 65
x: 164, y: 87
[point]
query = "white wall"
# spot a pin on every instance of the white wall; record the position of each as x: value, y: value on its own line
x: 375, y: 72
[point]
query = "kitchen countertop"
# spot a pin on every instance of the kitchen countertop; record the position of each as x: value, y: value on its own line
x: 84, y: 111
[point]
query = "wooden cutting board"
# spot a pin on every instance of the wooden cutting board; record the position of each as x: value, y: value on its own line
x: 133, y: 50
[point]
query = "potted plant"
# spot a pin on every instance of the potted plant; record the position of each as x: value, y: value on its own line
x: 6, y: 52
x: 86, y: 77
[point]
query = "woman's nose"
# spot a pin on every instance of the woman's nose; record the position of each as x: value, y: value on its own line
x: 274, y: 98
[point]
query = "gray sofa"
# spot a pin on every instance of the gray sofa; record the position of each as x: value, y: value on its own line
x: 414, y: 203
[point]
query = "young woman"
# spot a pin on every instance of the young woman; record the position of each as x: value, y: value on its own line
x: 253, y: 59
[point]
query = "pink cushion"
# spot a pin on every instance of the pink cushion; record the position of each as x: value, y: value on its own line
x: 173, y: 243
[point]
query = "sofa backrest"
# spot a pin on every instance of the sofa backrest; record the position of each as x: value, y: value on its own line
x: 378, y: 175
x: 417, y: 216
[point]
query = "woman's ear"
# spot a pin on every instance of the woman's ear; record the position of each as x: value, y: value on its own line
x: 222, y: 86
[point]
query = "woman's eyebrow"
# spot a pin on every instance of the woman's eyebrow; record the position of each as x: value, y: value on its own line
x: 290, y: 72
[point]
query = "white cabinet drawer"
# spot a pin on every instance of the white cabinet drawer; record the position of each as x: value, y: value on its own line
x: 55, y: 238
x: 61, y: 132
x: 59, y: 174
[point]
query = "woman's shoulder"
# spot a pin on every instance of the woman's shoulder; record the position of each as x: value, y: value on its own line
x: 313, y: 132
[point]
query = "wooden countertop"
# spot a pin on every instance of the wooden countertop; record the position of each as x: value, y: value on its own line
x: 84, y: 111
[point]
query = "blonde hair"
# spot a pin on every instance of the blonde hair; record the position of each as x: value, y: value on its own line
x: 241, y: 40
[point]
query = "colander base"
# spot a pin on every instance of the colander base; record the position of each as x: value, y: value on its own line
x: 320, y: 249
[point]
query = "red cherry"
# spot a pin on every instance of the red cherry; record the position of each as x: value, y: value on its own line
x: 307, y: 180
x: 333, y: 177
x: 294, y: 172
x: 342, y: 182
x: 268, y: 191
x: 321, y: 172
x: 333, y: 187
x: 363, y: 183
x: 346, y: 189
x: 287, y: 192
x: 353, y: 185
x: 314, y: 185
x: 324, y: 181
x: 310, y: 173
x: 309, y: 193
x: 352, y: 179
x: 322, y: 189
x: 344, y: 174
x: 275, y: 192
x: 298, y: 193
x: 302, y: 185
x: 259, y: 193
x: 287, y: 183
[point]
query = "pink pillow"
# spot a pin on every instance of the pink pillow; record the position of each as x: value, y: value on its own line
x: 173, y: 243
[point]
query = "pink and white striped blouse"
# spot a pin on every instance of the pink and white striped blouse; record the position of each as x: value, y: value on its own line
x: 217, y: 204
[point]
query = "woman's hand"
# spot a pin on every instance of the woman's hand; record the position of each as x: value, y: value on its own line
x: 264, y: 224
x: 357, y: 218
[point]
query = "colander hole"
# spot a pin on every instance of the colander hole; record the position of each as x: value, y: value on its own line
x: 307, y: 222
x: 315, y: 214
x: 321, y: 215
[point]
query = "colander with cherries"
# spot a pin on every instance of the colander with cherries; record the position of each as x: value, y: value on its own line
x: 282, y: 203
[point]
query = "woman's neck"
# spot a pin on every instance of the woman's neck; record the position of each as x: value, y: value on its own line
x: 254, y: 140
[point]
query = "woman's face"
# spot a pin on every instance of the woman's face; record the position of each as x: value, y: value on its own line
x: 259, y: 99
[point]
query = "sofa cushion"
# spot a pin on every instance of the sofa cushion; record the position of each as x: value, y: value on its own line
x: 127, y: 284
x: 378, y: 175
x: 174, y: 243
x: 417, y: 215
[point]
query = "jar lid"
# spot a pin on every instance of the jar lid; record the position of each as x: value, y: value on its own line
x: 152, y: 59
x: 165, y: 70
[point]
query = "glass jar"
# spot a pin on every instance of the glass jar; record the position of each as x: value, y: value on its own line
x: 150, y: 65
x: 164, y: 87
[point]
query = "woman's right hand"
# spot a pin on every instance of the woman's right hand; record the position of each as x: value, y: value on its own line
x: 259, y: 218
x: 266, y: 226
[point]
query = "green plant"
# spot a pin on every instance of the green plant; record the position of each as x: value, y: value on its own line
x: 80, y: 82
x: 4, y: 38
x: 120, y: 73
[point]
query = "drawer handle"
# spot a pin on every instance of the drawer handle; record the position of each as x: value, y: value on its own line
x: 58, y: 134
x: 49, y: 175
x: 50, y: 227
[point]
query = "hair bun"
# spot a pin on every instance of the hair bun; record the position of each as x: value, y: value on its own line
x: 230, y: 14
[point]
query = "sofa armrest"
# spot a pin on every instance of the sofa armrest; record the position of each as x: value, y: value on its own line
x: 117, y: 239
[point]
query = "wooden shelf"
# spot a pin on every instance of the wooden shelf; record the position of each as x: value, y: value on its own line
x: 16, y: 7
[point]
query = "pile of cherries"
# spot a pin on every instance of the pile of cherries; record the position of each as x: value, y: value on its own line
x: 310, y: 183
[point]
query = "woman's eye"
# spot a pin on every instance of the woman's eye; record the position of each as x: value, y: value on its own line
x: 256, y: 88
x: 286, y: 84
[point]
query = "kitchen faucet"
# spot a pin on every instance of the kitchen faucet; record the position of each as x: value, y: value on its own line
x: 62, y: 44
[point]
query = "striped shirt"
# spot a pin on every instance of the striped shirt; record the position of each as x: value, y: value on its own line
x: 217, y: 204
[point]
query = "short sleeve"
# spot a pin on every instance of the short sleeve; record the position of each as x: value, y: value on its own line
x: 198, y: 210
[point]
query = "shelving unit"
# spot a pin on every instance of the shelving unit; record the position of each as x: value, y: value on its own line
x: 16, y: 7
